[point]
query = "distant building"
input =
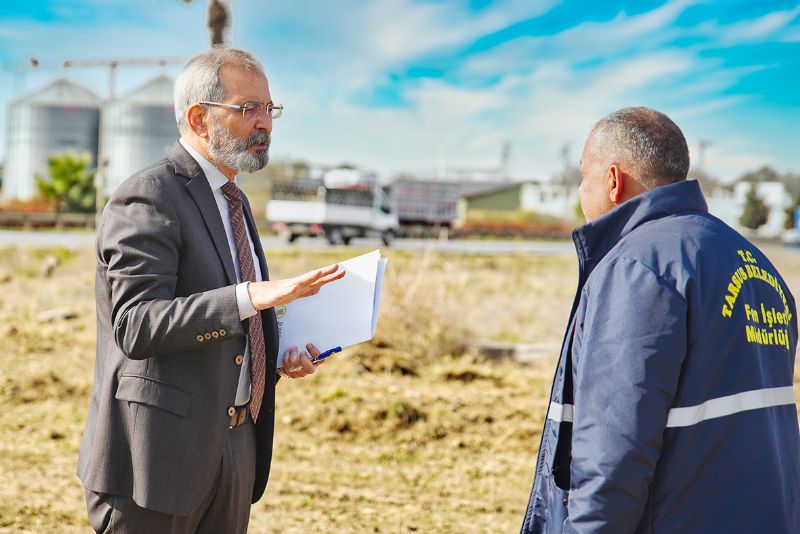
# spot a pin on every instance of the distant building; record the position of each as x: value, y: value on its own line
x: 138, y: 129
x: 544, y: 198
x: 723, y: 204
x: 729, y: 205
x: 61, y: 116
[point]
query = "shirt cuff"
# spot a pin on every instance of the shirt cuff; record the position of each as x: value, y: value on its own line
x: 246, y: 308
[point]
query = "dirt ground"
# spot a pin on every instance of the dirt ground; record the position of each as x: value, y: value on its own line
x: 412, y: 432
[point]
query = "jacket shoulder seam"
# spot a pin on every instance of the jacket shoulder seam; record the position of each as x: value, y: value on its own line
x: 662, y: 281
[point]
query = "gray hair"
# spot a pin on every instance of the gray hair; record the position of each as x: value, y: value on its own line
x: 645, y: 142
x: 199, y: 80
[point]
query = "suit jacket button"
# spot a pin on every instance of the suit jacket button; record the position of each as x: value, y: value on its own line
x: 239, y: 359
x: 222, y: 332
x: 208, y: 335
x: 200, y: 338
x: 231, y: 411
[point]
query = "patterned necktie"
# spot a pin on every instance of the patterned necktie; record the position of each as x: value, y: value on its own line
x: 248, y: 274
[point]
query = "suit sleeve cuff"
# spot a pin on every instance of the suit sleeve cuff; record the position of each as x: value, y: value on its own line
x: 246, y: 308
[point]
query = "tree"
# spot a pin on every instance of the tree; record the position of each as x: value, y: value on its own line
x: 764, y: 174
x: 792, y: 182
x: 71, y: 182
x: 789, y: 213
x: 755, y: 212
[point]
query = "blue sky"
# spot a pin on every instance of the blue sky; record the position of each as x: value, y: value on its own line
x: 420, y: 85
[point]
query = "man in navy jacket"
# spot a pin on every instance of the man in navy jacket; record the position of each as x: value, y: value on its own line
x: 672, y: 408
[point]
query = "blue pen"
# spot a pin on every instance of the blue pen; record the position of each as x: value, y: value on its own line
x: 329, y: 352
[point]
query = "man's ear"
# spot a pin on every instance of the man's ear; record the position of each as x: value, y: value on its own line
x: 615, y: 184
x: 195, y: 118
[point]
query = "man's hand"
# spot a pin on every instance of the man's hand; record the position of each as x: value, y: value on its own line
x: 298, y: 364
x: 273, y: 293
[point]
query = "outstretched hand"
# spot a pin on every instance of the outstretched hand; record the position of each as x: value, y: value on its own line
x: 271, y: 293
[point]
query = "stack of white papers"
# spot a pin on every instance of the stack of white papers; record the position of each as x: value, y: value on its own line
x: 342, y: 314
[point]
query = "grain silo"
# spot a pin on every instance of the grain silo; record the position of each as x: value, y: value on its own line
x: 61, y: 116
x: 139, y: 128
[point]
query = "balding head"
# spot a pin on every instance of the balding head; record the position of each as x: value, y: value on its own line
x: 627, y: 153
x: 643, y: 142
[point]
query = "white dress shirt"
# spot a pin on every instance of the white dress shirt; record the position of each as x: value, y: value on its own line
x: 216, y: 180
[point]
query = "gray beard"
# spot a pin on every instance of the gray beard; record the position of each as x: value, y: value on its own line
x: 233, y: 153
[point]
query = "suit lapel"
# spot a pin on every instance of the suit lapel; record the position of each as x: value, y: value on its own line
x: 204, y: 198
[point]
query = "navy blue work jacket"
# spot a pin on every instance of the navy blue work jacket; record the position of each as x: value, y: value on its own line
x: 672, y: 408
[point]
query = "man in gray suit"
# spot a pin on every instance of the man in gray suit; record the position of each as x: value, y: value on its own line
x: 179, y: 433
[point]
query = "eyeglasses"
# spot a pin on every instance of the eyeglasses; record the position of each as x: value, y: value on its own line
x: 251, y: 110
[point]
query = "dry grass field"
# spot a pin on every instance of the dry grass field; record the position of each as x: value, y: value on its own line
x: 411, y: 432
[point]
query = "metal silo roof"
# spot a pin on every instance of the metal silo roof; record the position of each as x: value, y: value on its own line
x: 60, y: 92
x: 157, y: 91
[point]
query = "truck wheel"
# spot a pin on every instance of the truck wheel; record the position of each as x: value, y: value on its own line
x: 291, y: 238
x: 335, y: 237
x: 346, y: 240
x: 387, y: 237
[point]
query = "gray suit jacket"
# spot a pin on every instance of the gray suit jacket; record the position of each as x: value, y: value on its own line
x: 168, y: 333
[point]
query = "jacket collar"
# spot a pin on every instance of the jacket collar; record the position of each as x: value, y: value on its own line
x: 595, y: 239
x: 184, y: 163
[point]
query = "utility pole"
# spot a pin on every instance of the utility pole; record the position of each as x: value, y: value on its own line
x: 702, y: 145
x: 505, y: 161
x: 102, y: 160
x: 565, y: 153
x: 220, y: 20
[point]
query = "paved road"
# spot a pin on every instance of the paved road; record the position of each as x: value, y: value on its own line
x: 79, y: 239
x: 46, y: 238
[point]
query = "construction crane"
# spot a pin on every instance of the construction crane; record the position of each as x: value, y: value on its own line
x: 112, y: 65
x: 21, y: 69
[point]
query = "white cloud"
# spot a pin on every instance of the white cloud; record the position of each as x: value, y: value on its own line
x: 584, y: 42
x: 538, y: 112
x: 624, y: 28
x: 758, y: 29
x: 354, y: 43
x: 538, y: 105
x: 708, y: 106
x: 324, y: 58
